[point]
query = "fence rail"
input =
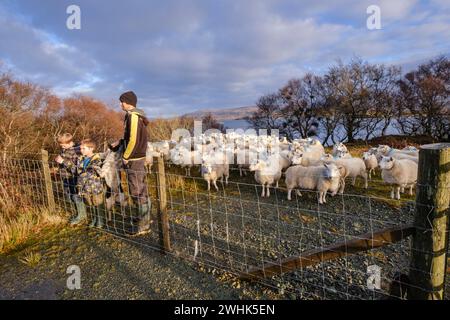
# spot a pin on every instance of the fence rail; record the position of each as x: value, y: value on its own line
x: 359, y: 245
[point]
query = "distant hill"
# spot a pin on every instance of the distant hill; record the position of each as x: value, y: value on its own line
x: 224, y: 114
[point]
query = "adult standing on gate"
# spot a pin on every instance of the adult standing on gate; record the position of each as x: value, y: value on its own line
x: 134, y: 144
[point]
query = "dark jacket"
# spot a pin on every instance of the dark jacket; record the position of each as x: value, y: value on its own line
x: 89, y: 181
x: 69, y: 155
x: 135, y: 135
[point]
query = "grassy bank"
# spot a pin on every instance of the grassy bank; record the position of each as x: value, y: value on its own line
x: 17, y: 227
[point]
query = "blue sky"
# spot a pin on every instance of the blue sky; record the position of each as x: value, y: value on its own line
x: 181, y: 56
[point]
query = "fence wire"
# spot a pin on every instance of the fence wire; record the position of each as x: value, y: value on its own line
x: 300, y: 248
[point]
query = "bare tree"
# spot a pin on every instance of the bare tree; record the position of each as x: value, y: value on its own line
x: 268, y: 113
x: 299, y: 110
x: 424, y: 100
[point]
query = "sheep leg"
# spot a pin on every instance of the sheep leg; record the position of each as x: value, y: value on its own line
x: 268, y: 191
x: 263, y: 193
x: 289, y: 194
x: 353, y: 181
x: 341, y: 189
x: 322, y: 197
x: 209, y: 184
x: 215, y: 185
x: 392, y: 193
x: 398, y: 193
x: 366, y: 185
x: 240, y: 171
x: 277, y: 184
x: 226, y: 180
x: 410, y: 189
x: 298, y: 193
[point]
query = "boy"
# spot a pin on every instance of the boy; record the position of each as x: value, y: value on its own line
x: 69, y: 154
x: 89, y: 182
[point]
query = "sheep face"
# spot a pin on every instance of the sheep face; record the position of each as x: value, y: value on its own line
x: 331, y: 171
x: 383, y: 149
x: 366, y: 156
x: 387, y: 163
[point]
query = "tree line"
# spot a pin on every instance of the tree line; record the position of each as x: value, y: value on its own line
x: 32, y: 117
x: 361, y: 98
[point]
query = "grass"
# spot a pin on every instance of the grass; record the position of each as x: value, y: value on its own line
x: 31, y: 259
x: 17, y: 227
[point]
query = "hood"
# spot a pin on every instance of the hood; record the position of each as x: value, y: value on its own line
x: 140, y: 113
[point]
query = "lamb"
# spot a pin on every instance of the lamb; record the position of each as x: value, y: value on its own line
x: 212, y: 172
x: 398, y: 173
x: 355, y: 167
x: 371, y: 162
x: 267, y: 172
x: 325, y: 178
x: 111, y: 173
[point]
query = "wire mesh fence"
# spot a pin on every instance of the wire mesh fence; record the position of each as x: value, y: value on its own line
x: 357, y: 245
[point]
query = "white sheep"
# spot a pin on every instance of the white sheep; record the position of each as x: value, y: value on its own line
x: 387, y: 151
x: 324, y: 178
x: 355, y: 167
x: 340, y: 150
x: 371, y: 162
x: 212, y: 172
x: 267, y: 172
x: 398, y: 173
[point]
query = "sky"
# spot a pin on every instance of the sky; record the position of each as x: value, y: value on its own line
x: 186, y: 55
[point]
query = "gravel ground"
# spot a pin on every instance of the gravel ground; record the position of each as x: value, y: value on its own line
x: 111, y: 268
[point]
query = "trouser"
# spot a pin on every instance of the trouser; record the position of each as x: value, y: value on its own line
x: 136, y: 181
x: 70, y: 189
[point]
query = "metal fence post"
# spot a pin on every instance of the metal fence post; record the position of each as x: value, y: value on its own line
x: 163, y: 219
x: 48, y: 180
x: 430, y: 240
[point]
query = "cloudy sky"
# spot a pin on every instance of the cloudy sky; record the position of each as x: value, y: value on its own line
x: 181, y: 56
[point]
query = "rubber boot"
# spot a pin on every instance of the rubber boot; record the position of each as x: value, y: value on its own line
x: 94, y: 217
x: 81, y: 212
x: 144, y: 218
x: 100, y: 215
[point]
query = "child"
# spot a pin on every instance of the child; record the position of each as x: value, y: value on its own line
x: 89, y: 182
x: 69, y: 155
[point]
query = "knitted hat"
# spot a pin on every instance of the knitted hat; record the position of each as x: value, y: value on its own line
x: 129, y: 97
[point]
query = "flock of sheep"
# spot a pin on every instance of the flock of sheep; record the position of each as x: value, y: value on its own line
x: 304, y: 161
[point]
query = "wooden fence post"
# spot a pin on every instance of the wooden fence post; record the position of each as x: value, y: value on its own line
x: 430, y: 240
x: 163, y: 219
x: 48, y: 180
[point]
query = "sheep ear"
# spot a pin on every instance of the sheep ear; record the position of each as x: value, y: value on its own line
x: 391, y: 159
